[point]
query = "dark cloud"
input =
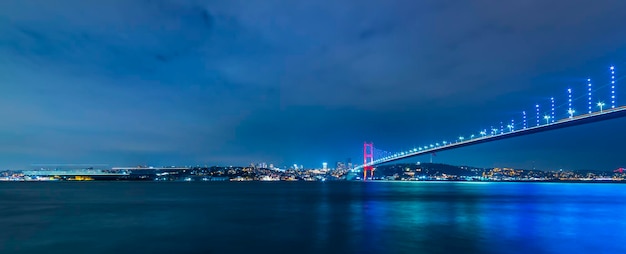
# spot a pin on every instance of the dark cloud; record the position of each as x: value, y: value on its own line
x: 176, y: 82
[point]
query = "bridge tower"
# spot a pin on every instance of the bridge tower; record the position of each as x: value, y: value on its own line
x: 368, y: 157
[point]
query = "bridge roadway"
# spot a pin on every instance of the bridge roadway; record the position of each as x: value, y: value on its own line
x: 563, y: 123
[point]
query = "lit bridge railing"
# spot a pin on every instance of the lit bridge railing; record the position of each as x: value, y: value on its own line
x: 484, y: 138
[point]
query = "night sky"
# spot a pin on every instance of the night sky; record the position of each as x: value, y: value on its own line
x: 233, y: 82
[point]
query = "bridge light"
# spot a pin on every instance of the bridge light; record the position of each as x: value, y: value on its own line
x: 552, y: 108
x: 589, y: 97
x: 601, y: 105
x: 510, y: 127
x: 483, y: 133
x: 569, y: 102
x: 431, y: 146
x: 612, y: 86
x: 537, y: 107
x: 445, y: 142
x: 461, y: 138
x: 524, y: 116
x: 436, y: 144
x: 472, y: 136
x: 571, y: 112
x: 420, y: 148
x: 547, y: 119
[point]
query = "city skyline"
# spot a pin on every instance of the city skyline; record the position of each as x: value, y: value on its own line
x: 114, y: 83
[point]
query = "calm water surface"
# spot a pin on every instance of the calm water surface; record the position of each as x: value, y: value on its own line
x: 303, y: 217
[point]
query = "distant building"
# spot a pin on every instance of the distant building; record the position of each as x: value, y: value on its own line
x: 325, y: 165
x: 340, y: 166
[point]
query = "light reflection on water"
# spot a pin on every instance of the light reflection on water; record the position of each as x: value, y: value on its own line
x: 330, y: 217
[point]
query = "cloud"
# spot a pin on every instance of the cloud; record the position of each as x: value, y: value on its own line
x: 240, y: 81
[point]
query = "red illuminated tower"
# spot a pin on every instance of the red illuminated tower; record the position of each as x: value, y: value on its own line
x: 368, y: 154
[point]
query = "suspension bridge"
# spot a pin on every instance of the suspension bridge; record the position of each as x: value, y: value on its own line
x: 527, y: 124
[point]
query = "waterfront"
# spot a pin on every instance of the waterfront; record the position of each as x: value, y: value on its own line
x: 311, y: 217
x: 402, y: 172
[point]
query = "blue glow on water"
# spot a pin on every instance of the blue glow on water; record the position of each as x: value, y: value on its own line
x: 304, y: 217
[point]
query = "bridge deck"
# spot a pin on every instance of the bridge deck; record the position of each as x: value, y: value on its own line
x: 563, y: 123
